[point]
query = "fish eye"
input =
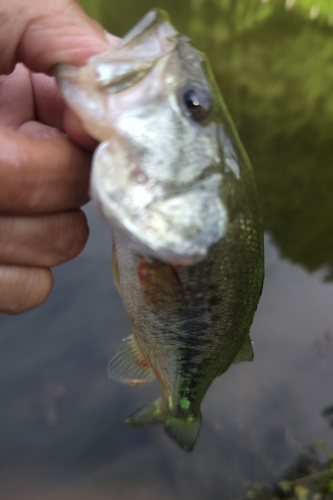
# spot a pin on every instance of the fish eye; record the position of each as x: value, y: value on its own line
x: 197, y: 102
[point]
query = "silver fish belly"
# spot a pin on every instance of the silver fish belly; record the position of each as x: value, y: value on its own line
x: 173, y: 181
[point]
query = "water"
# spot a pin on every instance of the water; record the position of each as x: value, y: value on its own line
x: 61, y: 417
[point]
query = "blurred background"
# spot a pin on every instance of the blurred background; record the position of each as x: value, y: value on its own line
x: 263, y: 422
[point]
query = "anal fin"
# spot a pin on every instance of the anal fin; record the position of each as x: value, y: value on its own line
x: 246, y: 351
x: 148, y: 414
x: 129, y: 366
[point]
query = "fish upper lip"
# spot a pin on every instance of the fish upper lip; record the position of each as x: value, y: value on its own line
x: 79, y: 74
x: 133, y: 68
x: 72, y: 74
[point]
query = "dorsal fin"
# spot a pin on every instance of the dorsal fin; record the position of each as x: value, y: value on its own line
x: 129, y: 366
x: 246, y: 351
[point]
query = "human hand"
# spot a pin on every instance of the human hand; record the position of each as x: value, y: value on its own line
x: 44, y: 176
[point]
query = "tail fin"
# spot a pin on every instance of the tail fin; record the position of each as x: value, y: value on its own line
x: 183, y: 430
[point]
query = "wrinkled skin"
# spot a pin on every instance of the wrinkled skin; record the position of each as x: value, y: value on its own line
x: 44, y: 175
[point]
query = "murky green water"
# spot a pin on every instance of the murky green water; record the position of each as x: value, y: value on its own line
x: 61, y: 417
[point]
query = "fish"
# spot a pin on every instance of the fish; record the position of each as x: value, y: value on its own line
x: 172, y: 180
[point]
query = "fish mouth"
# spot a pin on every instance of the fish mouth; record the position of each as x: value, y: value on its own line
x: 87, y: 89
x: 173, y: 225
x: 129, y: 61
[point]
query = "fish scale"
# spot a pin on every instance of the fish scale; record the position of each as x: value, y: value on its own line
x: 173, y: 182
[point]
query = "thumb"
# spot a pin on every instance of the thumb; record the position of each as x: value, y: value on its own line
x: 42, y: 34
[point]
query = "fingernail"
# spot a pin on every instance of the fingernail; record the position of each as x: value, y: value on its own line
x: 111, y: 39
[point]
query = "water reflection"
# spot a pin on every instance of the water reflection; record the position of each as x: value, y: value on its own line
x: 62, y: 417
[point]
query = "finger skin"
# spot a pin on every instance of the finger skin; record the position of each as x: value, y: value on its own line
x: 42, y: 34
x: 50, y: 109
x: 74, y: 129
x: 23, y: 288
x: 44, y: 240
x: 48, y: 102
x: 16, y: 98
x: 41, y: 174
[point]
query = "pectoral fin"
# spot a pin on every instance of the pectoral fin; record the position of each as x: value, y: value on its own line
x: 246, y: 351
x: 129, y: 366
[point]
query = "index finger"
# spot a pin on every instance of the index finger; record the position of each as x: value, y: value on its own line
x: 41, y: 175
x: 51, y: 110
x: 42, y: 34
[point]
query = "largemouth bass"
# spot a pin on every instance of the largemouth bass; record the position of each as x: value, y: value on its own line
x: 174, y: 183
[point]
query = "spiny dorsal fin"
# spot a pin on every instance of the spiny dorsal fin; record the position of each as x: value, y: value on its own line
x: 183, y: 430
x: 129, y: 366
x: 246, y: 351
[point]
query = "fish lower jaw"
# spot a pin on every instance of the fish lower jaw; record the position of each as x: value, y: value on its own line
x: 176, y: 228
